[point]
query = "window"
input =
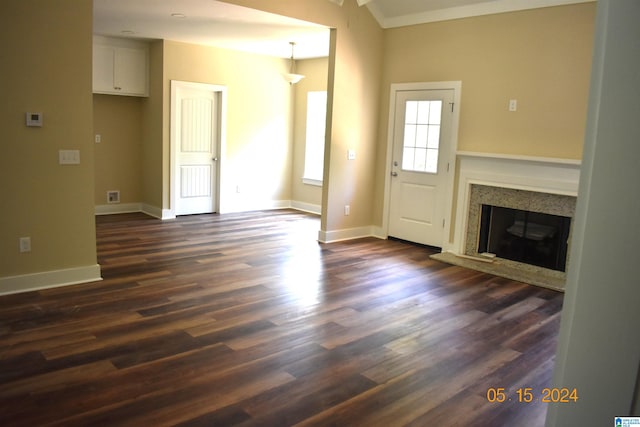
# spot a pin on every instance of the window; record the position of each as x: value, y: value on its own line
x: 314, y: 149
x: 421, y: 136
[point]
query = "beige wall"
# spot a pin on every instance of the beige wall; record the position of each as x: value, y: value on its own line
x: 129, y: 158
x: 133, y: 132
x: 315, y: 72
x: 540, y: 57
x: 354, y: 91
x: 118, y: 157
x: 356, y: 94
x: 152, y: 116
x: 258, y: 154
x: 45, y: 51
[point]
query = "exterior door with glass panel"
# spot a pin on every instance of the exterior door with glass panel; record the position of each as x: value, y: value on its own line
x: 422, y: 126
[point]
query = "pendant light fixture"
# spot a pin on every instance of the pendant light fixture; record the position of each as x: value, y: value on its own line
x: 291, y: 76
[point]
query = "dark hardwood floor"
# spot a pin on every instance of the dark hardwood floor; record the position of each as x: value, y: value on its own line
x: 244, y: 319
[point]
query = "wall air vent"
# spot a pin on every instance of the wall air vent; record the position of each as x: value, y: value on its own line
x: 113, y: 196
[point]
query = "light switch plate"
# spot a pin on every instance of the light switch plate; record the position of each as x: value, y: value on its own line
x: 69, y: 157
x: 351, y: 154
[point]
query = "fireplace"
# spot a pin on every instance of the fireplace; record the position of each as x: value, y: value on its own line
x: 518, y: 188
x: 527, y: 225
x: 534, y: 238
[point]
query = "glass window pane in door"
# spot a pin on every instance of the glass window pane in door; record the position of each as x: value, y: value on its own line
x: 420, y: 162
x: 408, y: 156
x: 422, y: 136
x: 409, y: 136
x: 431, y: 164
x: 423, y: 112
x: 434, y: 136
x: 435, y: 112
x: 411, y: 112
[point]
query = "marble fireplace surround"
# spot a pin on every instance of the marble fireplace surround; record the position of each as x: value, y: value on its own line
x: 532, y: 201
x: 536, y: 184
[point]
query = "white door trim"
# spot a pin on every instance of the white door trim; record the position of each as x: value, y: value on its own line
x: 456, y: 86
x: 222, y: 122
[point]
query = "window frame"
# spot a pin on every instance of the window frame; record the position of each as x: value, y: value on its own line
x: 316, y: 135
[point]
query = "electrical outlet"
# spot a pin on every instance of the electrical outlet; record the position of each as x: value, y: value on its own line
x: 347, y: 210
x: 513, y: 105
x: 98, y: 138
x: 25, y: 244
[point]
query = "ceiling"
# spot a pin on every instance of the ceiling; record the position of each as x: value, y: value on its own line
x: 212, y: 23
x: 225, y: 25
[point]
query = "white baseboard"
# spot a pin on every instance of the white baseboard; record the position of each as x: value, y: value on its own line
x: 157, y: 212
x: 49, y: 279
x: 323, y: 236
x: 118, y: 208
x: 346, y: 234
x: 306, y: 207
x: 378, y: 232
x: 250, y: 206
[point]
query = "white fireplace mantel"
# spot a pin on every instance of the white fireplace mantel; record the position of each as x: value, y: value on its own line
x: 541, y: 174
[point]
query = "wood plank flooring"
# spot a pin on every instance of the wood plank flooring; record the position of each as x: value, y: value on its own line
x: 244, y: 319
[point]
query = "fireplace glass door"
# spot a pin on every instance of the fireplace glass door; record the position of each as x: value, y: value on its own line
x: 528, y: 237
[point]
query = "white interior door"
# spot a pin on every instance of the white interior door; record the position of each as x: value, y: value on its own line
x: 422, y: 128
x: 195, y: 143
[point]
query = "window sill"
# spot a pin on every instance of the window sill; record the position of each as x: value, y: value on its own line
x: 313, y: 182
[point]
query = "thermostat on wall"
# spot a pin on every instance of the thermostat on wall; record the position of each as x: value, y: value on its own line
x: 34, y: 119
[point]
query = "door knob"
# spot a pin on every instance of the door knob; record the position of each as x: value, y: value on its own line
x: 215, y: 159
x: 394, y: 173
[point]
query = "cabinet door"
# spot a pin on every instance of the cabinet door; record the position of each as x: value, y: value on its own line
x: 103, y: 61
x: 130, y: 75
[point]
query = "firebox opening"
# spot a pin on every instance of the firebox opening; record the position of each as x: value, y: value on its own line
x: 523, y: 236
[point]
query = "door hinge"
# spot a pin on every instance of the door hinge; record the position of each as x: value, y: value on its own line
x: 448, y: 166
x: 443, y: 220
x: 452, y: 104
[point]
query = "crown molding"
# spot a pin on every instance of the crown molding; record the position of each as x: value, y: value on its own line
x: 479, y: 9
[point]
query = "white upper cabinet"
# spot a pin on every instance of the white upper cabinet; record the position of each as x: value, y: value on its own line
x: 120, y: 67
